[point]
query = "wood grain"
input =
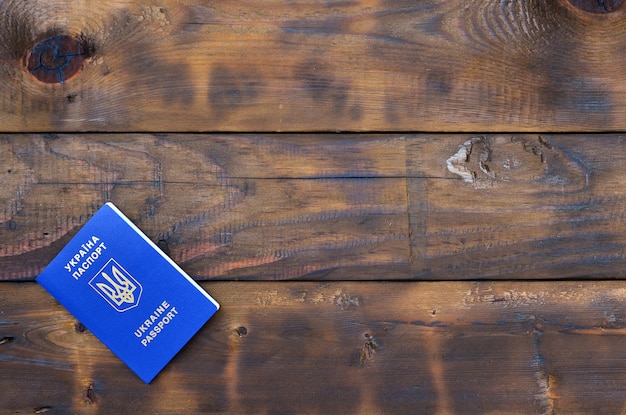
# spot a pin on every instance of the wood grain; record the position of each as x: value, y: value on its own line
x: 470, y: 181
x: 368, y: 65
x: 328, y: 207
x: 361, y: 347
x: 517, y: 206
x: 248, y: 207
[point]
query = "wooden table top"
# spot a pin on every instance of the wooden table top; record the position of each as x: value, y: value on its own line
x: 402, y: 206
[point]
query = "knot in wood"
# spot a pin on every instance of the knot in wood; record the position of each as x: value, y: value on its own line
x: 597, y: 6
x: 56, y: 59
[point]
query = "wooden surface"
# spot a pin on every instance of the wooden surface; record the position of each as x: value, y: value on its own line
x: 368, y: 65
x: 366, y: 187
x: 341, y: 348
x: 329, y: 207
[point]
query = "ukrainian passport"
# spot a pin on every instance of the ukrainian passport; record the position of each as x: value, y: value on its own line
x: 127, y: 292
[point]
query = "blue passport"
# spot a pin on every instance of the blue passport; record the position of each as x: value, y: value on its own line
x: 127, y: 292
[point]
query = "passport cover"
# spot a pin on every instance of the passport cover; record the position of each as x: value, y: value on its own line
x: 127, y: 292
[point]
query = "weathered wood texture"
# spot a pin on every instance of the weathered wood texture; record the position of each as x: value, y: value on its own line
x: 223, y: 207
x: 446, y: 65
x: 328, y: 207
x: 527, y: 206
x: 340, y: 348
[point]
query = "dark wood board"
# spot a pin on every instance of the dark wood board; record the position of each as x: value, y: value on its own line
x: 223, y: 206
x: 526, y: 206
x: 342, y: 347
x: 446, y: 65
x: 328, y: 206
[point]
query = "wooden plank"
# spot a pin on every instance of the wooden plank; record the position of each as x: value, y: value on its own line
x: 360, y: 347
x: 517, y: 206
x: 223, y: 206
x: 364, y: 65
x: 332, y: 207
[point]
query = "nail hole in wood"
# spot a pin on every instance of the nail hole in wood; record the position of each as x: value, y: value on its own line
x: 90, y: 394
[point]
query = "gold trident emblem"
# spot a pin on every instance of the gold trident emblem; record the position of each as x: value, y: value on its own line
x: 119, y: 291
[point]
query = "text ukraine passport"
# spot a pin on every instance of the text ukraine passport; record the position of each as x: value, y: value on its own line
x: 129, y: 294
